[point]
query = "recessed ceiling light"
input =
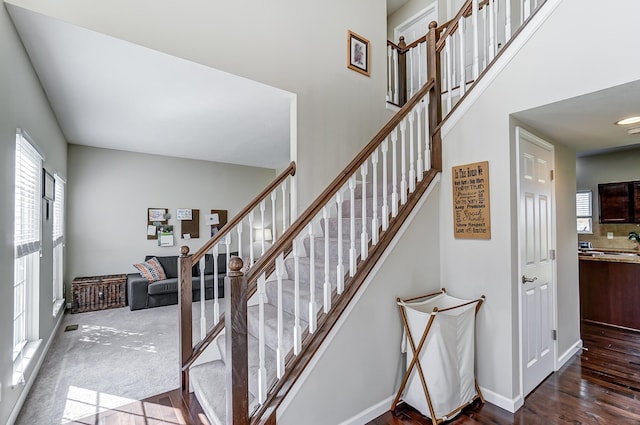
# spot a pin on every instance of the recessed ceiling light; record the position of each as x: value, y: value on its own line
x: 630, y: 120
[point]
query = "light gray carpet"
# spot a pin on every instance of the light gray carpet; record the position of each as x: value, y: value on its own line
x: 116, y: 356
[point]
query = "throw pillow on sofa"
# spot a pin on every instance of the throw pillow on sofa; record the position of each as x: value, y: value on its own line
x: 151, y: 270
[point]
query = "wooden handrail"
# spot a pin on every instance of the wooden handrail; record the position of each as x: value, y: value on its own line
x: 286, y: 240
x: 290, y: 170
x: 452, y: 25
x: 403, y: 50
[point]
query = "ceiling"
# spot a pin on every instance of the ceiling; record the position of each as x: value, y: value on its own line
x: 586, y: 123
x: 109, y: 93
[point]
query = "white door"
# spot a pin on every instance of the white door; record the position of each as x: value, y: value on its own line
x: 536, y: 277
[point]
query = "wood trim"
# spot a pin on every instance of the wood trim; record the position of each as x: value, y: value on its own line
x: 452, y: 25
x: 185, y: 307
x: 290, y: 170
x: 286, y: 239
x: 312, y: 342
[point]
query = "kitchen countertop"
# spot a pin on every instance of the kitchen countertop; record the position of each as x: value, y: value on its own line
x: 611, y: 255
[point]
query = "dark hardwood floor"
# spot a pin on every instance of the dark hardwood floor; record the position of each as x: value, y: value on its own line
x: 599, y: 386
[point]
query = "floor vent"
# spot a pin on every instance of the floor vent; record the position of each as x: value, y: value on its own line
x: 71, y: 328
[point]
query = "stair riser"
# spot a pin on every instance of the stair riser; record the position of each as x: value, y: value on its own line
x: 288, y: 300
x: 333, y: 248
x: 304, y: 275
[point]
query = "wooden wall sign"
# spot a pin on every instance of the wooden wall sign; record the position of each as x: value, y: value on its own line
x: 471, y: 202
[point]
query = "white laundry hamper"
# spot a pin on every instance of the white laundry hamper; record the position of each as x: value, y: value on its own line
x: 440, y: 343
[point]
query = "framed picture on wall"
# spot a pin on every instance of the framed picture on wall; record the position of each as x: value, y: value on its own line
x: 48, y: 186
x: 358, y: 53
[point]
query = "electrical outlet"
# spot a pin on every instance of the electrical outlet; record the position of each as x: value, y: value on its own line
x: 609, y: 235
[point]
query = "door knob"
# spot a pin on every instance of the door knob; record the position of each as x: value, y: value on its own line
x: 528, y: 279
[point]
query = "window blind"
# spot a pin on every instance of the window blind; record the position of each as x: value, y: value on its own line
x: 583, y: 204
x: 27, y: 197
x: 58, y: 212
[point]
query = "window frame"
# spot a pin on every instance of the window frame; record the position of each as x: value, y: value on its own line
x: 58, y: 238
x: 588, y: 216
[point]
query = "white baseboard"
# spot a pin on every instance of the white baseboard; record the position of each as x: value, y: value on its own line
x: 510, y: 405
x: 566, y: 356
x: 371, y: 413
x: 32, y: 377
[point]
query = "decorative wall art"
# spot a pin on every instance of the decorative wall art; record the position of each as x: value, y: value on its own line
x: 190, y: 228
x: 471, y: 202
x: 216, y: 220
x: 155, y: 218
x: 358, y: 53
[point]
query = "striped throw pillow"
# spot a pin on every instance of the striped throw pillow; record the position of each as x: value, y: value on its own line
x: 151, y: 270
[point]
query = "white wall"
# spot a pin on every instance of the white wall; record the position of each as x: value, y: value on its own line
x: 296, y: 46
x: 406, y: 12
x: 109, y: 193
x: 558, y: 62
x: 363, y: 365
x: 22, y: 104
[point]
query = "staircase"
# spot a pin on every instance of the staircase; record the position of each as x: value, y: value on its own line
x: 282, y: 308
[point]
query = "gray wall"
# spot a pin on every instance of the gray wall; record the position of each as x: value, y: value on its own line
x: 109, y: 193
x: 22, y: 104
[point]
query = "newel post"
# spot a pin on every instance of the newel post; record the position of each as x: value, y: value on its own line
x: 402, y: 72
x: 237, y: 364
x: 435, y: 96
x: 184, y: 305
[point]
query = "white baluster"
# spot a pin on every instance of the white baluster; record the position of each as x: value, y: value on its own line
x: 227, y: 243
x: 352, y: 221
x: 284, y: 206
x: 364, y: 237
x: 474, y: 23
x: 412, y: 168
x: 450, y: 72
x: 526, y: 10
x: 273, y: 216
x: 312, y: 279
x: 262, y: 370
x: 396, y: 82
x: 463, y: 78
x: 251, y: 239
x: 419, y: 54
x: 239, y: 231
x: 403, y: 161
x: 492, y: 33
x: 507, y: 27
x: 216, y: 293
x: 485, y: 41
x: 427, y: 136
x: 394, y: 173
x: 412, y: 90
x: 280, y: 322
x: 340, y: 266
x: 203, y: 319
x: 385, y: 184
x: 327, y: 272
x: 419, y: 139
x: 297, y: 330
x: 374, y: 220
x: 263, y: 207
x: 389, y: 74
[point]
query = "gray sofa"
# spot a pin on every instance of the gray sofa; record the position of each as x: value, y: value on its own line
x: 143, y: 294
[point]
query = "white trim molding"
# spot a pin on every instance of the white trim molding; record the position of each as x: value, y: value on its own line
x: 371, y: 413
x: 508, y: 404
x: 566, y: 356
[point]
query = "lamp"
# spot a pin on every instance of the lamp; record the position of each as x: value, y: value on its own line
x: 266, y: 232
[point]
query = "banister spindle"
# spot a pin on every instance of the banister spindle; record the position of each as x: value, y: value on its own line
x: 262, y: 369
x: 412, y: 168
x: 340, y: 266
x: 227, y: 243
x: 492, y: 33
x: 263, y: 242
x: 327, y: 272
x: 394, y: 173
x: 216, y: 291
x: 203, y: 318
x: 374, y: 220
x: 485, y: 40
x: 403, y: 161
x: 385, y: 184
x: 427, y: 139
x: 450, y: 72
x: 364, y: 237
x: 507, y: 27
x: 284, y: 206
x: 297, y: 329
x: 526, y: 10
x: 312, y: 278
x: 280, y: 321
x: 273, y: 216
x: 420, y: 165
x: 476, y: 39
x: 462, y: 70
x: 396, y: 78
x: 412, y: 83
x: 236, y: 364
x: 239, y: 232
x: 251, y: 239
x: 352, y: 228
x: 389, y: 74
x: 421, y: 80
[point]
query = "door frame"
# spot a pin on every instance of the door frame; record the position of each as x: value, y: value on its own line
x: 520, y: 134
x: 431, y: 9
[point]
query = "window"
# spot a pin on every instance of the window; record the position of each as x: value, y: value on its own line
x: 58, y: 245
x: 583, y: 211
x: 27, y: 230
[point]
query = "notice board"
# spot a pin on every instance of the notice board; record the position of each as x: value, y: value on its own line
x: 471, y: 202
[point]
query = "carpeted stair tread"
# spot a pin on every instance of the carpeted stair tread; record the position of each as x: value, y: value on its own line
x: 288, y: 301
x: 305, y: 264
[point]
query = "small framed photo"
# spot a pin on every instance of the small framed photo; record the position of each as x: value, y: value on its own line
x: 358, y: 53
x: 48, y: 186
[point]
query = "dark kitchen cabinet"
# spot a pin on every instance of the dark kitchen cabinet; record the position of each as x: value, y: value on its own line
x: 636, y: 201
x: 616, y: 202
